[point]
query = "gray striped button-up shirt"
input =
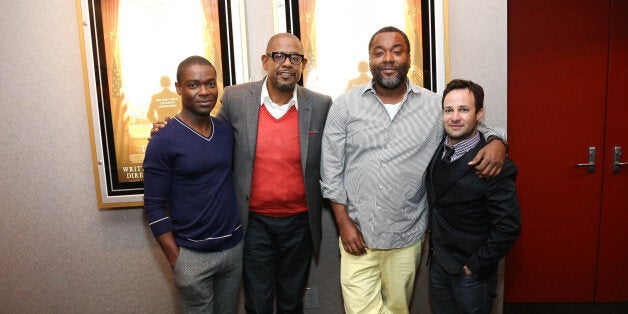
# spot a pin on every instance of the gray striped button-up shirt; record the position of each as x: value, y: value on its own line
x: 376, y: 166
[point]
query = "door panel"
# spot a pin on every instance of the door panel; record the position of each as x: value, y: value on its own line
x: 613, y: 255
x: 557, y: 74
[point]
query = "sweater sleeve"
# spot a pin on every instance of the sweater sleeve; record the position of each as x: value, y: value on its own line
x: 157, y: 178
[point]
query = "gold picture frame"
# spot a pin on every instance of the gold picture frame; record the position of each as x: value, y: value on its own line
x: 130, y: 51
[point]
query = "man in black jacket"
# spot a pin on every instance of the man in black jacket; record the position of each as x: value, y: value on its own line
x: 473, y: 221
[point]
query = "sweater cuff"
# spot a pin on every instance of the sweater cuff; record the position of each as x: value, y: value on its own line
x: 161, y: 226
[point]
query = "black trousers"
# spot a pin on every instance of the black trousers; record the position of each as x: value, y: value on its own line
x: 277, y: 257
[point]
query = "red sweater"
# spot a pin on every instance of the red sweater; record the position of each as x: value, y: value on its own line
x: 277, y: 189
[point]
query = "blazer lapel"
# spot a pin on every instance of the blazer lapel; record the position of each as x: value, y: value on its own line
x: 305, y: 116
x: 252, y: 105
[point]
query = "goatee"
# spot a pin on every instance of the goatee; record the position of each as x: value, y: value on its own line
x: 391, y: 83
x: 286, y: 87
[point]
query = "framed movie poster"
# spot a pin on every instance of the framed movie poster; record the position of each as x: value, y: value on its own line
x: 131, y: 50
x: 338, y: 32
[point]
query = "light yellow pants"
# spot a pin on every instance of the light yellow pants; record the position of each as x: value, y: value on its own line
x: 380, y: 281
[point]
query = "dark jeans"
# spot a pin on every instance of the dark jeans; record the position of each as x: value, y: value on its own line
x: 277, y: 257
x: 460, y: 293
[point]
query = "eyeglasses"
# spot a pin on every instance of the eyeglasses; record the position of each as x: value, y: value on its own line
x: 280, y: 57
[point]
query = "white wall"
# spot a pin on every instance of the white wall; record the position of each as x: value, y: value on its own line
x: 478, y: 51
x: 260, y: 29
x: 58, y: 251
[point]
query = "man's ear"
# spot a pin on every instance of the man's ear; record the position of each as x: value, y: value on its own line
x: 177, y: 87
x: 264, y: 59
x: 480, y: 115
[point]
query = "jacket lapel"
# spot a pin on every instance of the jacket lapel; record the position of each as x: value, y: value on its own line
x: 252, y: 103
x: 305, y: 116
x: 461, y: 167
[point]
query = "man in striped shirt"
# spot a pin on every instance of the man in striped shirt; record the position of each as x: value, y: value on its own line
x: 378, y: 141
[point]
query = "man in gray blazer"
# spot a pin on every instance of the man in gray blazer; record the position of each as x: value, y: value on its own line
x: 278, y: 128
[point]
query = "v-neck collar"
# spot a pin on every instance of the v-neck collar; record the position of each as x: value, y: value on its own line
x: 211, y: 120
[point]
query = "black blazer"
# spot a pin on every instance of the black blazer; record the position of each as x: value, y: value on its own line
x: 473, y: 221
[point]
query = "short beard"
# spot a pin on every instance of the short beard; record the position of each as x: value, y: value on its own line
x: 286, y: 87
x: 463, y: 136
x: 394, y: 82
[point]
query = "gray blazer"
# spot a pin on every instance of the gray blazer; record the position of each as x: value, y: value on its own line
x: 240, y: 106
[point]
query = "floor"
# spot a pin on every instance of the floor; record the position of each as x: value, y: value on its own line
x: 566, y: 308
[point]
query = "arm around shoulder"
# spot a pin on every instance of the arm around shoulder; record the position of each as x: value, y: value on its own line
x: 490, y: 159
x: 493, y: 132
x: 223, y: 112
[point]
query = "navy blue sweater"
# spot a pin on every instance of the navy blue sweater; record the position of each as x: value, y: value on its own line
x: 191, y: 175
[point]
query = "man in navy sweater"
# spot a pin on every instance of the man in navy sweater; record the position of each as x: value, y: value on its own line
x: 187, y: 169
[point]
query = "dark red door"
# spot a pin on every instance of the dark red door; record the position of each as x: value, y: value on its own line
x: 612, y: 282
x: 559, y: 115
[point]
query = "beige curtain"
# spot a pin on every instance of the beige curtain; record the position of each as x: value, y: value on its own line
x: 307, y: 10
x: 119, y: 118
x: 212, y: 42
x: 413, y: 29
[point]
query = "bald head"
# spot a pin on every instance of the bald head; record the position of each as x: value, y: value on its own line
x: 283, y: 74
x: 276, y: 37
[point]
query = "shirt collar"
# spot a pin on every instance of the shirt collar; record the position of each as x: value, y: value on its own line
x: 265, y: 98
x: 464, y: 146
x: 410, y: 88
